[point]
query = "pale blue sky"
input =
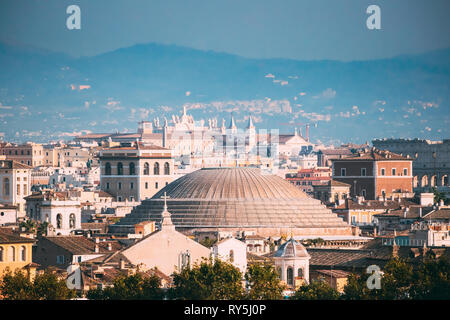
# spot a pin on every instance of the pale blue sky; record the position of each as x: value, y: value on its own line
x: 297, y: 29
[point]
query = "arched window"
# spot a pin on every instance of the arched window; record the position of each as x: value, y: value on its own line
x: 132, y: 169
x: 300, y: 272
x: 59, y: 221
x: 119, y: 169
x: 23, y: 253
x: 6, y: 186
x: 108, y: 169
x: 166, y: 168
x: 12, y: 254
x: 146, y: 169
x: 1, y: 254
x: 72, y: 221
x: 290, y: 276
x: 156, y: 168
x: 231, y: 256
x: 424, y: 181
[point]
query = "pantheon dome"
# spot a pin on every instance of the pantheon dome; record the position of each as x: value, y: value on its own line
x: 236, y: 199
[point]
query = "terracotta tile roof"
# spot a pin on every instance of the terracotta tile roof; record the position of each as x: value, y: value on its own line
x: 134, y: 147
x: 376, y: 204
x: 334, y: 273
x: 103, y: 194
x: 375, y: 155
x: 9, y: 237
x: 336, y: 152
x: 346, y: 258
x: 335, y: 183
x: 82, y: 245
x: 48, y: 195
x: 11, y: 164
x: 438, y: 214
x: 413, y: 212
x: 103, y: 226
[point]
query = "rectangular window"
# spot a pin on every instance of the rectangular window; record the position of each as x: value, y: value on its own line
x: 146, y: 185
x: 363, y: 172
x: 119, y: 185
x: 405, y: 172
x: 156, y: 185
x: 60, y: 259
x: 353, y: 219
x: 131, y: 185
x: 383, y: 171
x: 107, y: 185
x: 18, y: 189
x: 24, y: 189
x: 394, y: 171
x: 131, y: 199
x: 343, y: 172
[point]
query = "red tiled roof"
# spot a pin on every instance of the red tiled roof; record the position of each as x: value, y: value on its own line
x: 6, y: 238
x: 375, y: 155
x: 83, y: 245
x: 376, y: 204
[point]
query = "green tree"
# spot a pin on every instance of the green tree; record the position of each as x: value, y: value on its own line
x: 431, y: 281
x: 396, y: 280
x: 316, y: 290
x: 16, y: 286
x: 138, y: 286
x: 28, y: 226
x: 46, y: 286
x: 264, y: 283
x: 209, y: 280
x: 438, y: 196
x: 208, y: 242
x: 357, y: 289
x: 42, y: 229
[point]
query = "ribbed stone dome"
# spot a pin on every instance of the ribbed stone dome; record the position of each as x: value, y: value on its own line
x: 235, y: 198
x: 230, y: 183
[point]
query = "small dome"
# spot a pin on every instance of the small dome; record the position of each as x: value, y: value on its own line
x: 291, y: 249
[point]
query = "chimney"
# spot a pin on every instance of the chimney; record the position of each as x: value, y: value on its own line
x: 97, y: 240
x: 109, y: 247
x: 122, y: 264
x: 96, y: 248
x: 420, y: 212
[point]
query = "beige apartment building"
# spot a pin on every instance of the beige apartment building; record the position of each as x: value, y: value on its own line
x: 15, y: 180
x: 135, y: 172
x: 66, y: 156
x: 31, y: 154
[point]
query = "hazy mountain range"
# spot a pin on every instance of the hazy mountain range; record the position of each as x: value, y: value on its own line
x: 48, y: 96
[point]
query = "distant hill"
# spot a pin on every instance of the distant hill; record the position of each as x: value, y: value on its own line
x: 51, y: 95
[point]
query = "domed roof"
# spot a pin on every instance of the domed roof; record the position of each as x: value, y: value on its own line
x: 291, y: 249
x: 230, y: 183
x: 234, y: 198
